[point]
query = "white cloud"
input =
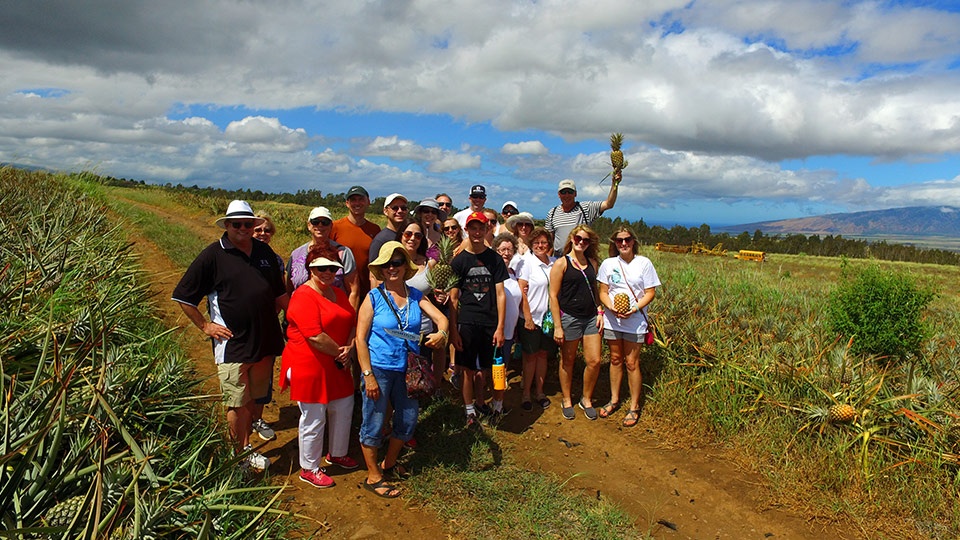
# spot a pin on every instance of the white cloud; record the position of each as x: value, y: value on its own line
x: 525, y: 147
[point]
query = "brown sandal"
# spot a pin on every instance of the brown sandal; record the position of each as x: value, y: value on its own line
x: 632, y: 418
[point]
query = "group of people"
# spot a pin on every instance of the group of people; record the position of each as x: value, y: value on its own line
x: 357, y: 299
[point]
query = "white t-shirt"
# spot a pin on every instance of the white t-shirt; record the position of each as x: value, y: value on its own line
x: 617, y: 274
x: 461, y: 218
x: 537, y: 275
x: 512, y: 313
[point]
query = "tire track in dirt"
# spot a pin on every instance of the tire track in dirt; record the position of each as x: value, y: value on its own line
x: 692, y: 492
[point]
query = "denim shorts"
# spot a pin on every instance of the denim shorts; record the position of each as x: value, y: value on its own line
x: 393, y: 391
x: 575, y: 328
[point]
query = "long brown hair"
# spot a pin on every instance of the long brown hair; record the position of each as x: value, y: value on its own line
x: 612, y: 248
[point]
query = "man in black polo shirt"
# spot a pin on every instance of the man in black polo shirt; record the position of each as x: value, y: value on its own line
x: 243, y: 283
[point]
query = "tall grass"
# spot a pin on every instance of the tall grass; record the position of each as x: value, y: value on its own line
x: 103, y: 430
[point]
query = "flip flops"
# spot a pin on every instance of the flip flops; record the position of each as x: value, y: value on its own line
x: 372, y: 488
x: 631, y: 419
x: 609, y: 409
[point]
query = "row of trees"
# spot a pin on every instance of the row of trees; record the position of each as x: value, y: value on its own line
x: 827, y: 246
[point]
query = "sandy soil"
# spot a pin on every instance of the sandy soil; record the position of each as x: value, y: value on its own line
x: 673, y: 492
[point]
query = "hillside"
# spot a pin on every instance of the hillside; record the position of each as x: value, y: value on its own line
x: 911, y: 221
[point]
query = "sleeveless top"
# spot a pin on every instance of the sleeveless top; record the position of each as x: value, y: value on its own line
x: 576, y: 294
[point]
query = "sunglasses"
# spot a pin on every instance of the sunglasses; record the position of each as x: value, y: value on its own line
x: 329, y: 268
x: 241, y: 224
x: 530, y: 225
x: 319, y: 221
x: 452, y: 228
x: 398, y: 208
x: 478, y: 196
x: 444, y: 204
x: 567, y: 192
x: 395, y: 263
x: 626, y: 240
x: 261, y: 230
x: 577, y: 239
x: 411, y: 234
x: 509, y: 212
x: 428, y: 210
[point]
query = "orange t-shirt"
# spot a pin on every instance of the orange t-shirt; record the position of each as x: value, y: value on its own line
x: 358, y: 239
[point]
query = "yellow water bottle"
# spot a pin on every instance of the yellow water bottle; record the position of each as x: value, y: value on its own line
x: 499, y: 371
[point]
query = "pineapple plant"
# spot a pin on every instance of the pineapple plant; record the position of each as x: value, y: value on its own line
x: 841, y: 413
x: 621, y: 302
x: 441, y: 276
x: 616, y: 155
x: 63, y: 513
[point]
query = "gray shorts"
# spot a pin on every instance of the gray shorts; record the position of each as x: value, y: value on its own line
x: 575, y: 328
x: 613, y: 335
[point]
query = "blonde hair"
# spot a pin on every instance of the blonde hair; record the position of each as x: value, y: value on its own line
x: 591, y: 251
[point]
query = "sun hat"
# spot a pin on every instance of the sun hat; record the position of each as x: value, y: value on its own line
x: 432, y: 203
x: 320, y: 212
x: 523, y: 217
x: 509, y: 203
x: 477, y: 216
x: 238, y: 210
x: 386, y: 253
x: 357, y: 190
x: 392, y: 197
x: 323, y: 261
x: 567, y: 184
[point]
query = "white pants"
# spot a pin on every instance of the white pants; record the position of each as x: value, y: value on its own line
x: 314, y: 418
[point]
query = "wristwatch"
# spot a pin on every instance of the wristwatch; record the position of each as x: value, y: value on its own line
x: 366, y: 372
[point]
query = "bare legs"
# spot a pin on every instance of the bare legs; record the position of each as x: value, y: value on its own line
x: 591, y: 372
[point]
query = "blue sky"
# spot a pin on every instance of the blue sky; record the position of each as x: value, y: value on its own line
x: 734, y: 111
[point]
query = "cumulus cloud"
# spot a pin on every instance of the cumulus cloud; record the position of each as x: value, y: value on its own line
x: 525, y: 147
x: 438, y: 160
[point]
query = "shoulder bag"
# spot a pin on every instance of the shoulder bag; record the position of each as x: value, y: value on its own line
x: 419, y: 375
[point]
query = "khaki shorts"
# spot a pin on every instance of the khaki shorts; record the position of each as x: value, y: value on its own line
x: 241, y: 383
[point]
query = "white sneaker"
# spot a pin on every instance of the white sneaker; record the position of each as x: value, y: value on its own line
x: 255, y: 460
x: 264, y: 430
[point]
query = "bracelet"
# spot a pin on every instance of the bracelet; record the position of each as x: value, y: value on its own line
x: 445, y: 334
x: 599, y: 311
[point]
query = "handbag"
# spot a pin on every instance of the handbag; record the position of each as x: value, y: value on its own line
x: 648, y: 339
x: 419, y: 374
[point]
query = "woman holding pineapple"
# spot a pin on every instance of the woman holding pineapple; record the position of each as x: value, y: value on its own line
x: 628, y: 283
x: 573, y: 302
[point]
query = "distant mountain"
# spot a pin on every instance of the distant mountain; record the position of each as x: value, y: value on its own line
x: 911, y: 221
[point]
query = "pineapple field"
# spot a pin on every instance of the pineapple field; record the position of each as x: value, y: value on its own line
x: 759, y: 416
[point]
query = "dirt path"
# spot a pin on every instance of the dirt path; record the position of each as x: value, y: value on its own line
x: 685, y: 492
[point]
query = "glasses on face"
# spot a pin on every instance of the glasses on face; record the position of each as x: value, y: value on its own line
x: 241, y: 224
x: 263, y: 230
x: 506, y: 250
x: 395, y: 263
x: 330, y: 268
x: 428, y: 210
x: 626, y: 240
x: 412, y: 234
x: 451, y: 228
x: 320, y: 222
x: 480, y: 197
x: 509, y: 212
x: 444, y: 204
x: 398, y: 208
x: 525, y: 226
x: 567, y: 192
x: 541, y: 243
x: 577, y: 239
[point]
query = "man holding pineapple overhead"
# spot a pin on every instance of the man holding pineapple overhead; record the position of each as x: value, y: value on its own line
x: 477, y: 311
x: 569, y: 213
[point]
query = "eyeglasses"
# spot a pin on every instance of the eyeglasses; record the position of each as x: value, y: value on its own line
x: 451, y: 228
x: 241, y: 224
x: 428, y: 210
x: 320, y: 221
x: 577, y: 239
x: 541, y: 243
x: 506, y: 251
x: 395, y: 263
x: 626, y: 240
x: 398, y: 208
x: 262, y: 230
x: 567, y: 192
x: 330, y: 268
x: 411, y: 234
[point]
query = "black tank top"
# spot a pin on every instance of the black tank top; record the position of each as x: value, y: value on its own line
x: 576, y: 294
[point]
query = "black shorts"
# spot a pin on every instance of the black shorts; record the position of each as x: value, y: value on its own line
x: 478, y: 347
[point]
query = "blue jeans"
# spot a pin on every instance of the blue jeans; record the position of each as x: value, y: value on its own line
x: 393, y: 390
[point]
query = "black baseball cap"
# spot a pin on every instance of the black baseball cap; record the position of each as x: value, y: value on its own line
x: 357, y: 190
x: 478, y: 191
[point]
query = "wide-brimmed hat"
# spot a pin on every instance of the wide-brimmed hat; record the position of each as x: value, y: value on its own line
x: 323, y: 261
x: 386, y: 253
x: 432, y: 203
x: 238, y: 210
x: 515, y: 220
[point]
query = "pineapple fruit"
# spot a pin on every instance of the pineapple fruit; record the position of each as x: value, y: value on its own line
x: 441, y: 275
x: 621, y: 303
x: 616, y: 155
x: 841, y: 413
x: 63, y: 513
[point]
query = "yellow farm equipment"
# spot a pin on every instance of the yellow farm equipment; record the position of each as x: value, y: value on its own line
x: 699, y: 248
x: 660, y: 246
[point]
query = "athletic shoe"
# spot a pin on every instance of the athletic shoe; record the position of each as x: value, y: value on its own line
x: 264, y: 430
x: 317, y: 478
x: 345, y: 462
x: 472, y: 421
x: 255, y: 460
x: 484, y: 409
x: 494, y: 418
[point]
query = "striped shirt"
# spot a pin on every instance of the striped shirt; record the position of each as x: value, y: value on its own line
x: 560, y: 223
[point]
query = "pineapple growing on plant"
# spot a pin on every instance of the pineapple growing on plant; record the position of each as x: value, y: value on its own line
x: 441, y: 275
x: 616, y: 155
x: 621, y: 303
x: 841, y: 413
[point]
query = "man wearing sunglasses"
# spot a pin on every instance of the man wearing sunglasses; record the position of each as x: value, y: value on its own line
x: 242, y: 281
x: 570, y: 212
x: 478, y: 197
x: 397, y: 210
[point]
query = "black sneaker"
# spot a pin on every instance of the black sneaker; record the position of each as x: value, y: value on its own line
x: 484, y: 410
x: 494, y: 418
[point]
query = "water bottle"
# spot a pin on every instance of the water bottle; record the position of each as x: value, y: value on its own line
x: 499, y: 371
x: 547, y: 324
